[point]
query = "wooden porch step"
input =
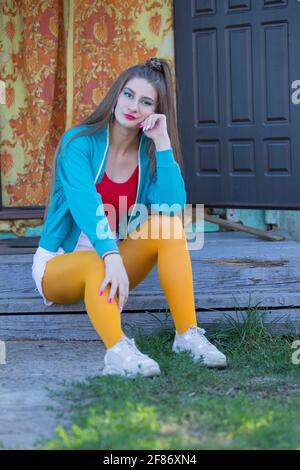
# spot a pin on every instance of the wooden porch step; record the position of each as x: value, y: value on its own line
x: 232, y: 271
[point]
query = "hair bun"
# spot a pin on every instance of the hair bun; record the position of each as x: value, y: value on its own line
x: 154, y: 63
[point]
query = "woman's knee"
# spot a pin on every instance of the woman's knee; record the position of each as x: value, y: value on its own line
x: 94, y: 262
x: 167, y: 227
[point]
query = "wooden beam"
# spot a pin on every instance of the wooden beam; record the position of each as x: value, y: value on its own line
x: 78, y: 326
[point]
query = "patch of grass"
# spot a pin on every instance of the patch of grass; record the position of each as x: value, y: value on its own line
x: 253, y: 404
x: 249, y: 342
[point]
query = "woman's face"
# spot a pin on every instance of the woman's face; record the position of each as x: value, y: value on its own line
x: 137, y: 99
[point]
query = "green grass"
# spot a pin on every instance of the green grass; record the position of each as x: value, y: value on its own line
x: 253, y: 404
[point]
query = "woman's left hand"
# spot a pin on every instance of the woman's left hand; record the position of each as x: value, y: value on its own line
x: 155, y: 126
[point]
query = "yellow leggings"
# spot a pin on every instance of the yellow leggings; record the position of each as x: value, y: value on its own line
x: 76, y: 276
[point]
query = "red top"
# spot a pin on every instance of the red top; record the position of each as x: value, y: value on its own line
x: 110, y: 192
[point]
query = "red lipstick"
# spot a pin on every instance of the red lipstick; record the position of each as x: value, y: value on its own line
x: 128, y: 116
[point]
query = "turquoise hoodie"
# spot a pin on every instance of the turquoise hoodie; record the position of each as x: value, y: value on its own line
x: 76, y: 206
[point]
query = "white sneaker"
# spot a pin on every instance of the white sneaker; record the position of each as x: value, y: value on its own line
x: 194, y: 341
x: 125, y: 359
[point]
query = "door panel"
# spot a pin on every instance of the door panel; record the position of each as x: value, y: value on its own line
x: 236, y: 71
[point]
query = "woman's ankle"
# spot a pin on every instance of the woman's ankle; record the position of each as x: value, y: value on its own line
x: 113, y: 343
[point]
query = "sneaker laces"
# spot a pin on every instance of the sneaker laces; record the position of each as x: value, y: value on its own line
x: 131, y: 343
x: 196, y: 331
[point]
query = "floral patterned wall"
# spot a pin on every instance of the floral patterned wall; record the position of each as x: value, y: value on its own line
x: 58, y: 59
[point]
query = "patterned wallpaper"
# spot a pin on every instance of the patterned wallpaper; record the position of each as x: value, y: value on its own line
x: 58, y: 59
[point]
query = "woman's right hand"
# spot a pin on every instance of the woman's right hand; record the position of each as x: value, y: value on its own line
x: 116, y: 275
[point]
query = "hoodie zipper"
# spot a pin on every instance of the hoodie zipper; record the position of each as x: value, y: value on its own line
x: 139, y: 164
x: 137, y: 192
x: 105, y: 152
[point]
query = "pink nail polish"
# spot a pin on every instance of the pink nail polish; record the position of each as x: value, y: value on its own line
x: 110, y: 300
x: 101, y: 292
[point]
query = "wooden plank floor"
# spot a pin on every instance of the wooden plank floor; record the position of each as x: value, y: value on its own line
x: 233, y: 271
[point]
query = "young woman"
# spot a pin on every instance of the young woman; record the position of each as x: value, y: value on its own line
x: 128, y: 151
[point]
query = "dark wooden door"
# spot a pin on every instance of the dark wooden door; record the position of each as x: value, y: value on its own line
x: 237, y: 73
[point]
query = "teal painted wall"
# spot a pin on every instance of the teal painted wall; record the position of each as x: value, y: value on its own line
x: 290, y: 221
x: 36, y: 231
x: 29, y: 232
x: 259, y: 219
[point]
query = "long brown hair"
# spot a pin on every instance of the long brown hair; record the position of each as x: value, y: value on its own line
x: 162, y: 81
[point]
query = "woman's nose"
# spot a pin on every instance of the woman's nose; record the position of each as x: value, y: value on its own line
x: 133, y: 106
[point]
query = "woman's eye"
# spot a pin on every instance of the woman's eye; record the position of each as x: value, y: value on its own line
x: 126, y: 93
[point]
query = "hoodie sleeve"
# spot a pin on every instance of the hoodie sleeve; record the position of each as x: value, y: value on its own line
x: 168, y: 188
x: 85, y: 203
